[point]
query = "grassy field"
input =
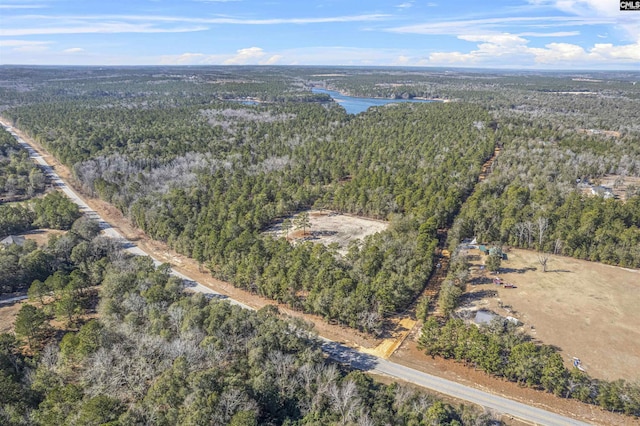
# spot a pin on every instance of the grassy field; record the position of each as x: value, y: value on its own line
x: 8, y: 314
x: 588, y: 310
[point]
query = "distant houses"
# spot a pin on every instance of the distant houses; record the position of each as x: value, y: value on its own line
x: 595, y: 190
x: 484, y: 317
x: 13, y: 239
x: 602, y: 191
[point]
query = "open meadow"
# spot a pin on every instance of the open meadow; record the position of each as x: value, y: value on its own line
x: 588, y: 310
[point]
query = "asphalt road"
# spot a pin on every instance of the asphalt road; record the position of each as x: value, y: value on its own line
x: 333, y: 349
x: 12, y: 299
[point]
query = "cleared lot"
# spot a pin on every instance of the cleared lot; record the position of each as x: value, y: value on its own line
x: 329, y: 227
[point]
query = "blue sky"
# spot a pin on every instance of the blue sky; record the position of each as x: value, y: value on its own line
x: 545, y: 34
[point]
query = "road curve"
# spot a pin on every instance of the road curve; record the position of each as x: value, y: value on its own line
x: 333, y: 349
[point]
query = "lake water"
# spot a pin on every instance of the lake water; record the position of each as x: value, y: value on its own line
x: 355, y: 105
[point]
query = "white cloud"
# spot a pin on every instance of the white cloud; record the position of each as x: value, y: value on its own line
x: 30, y: 48
x: 609, y: 9
x: 452, y: 58
x: 97, y: 28
x: 583, y: 7
x: 14, y: 43
x: 272, y: 60
x: 405, y: 5
x: 554, y: 34
x: 252, y: 56
x: 218, y: 20
x: 332, y: 55
x: 245, y: 56
x: 555, y: 53
x: 74, y: 50
x: 276, y: 21
x: 152, y: 23
x: 402, y: 60
x: 25, y: 46
x: 21, y: 6
x: 185, y: 58
x: 493, y: 48
x: 490, y: 48
x: 609, y: 51
x: 343, y: 55
x: 558, y: 53
x: 504, y: 39
x: 496, y: 25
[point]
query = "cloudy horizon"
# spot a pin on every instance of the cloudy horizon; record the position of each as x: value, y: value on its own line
x: 518, y: 34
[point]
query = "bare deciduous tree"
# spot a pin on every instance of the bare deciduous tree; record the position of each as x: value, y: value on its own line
x: 520, y: 231
x: 543, y: 225
x: 543, y: 259
x: 529, y: 228
x: 370, y: 321
x: 557, y: 247
x: 345, y: 401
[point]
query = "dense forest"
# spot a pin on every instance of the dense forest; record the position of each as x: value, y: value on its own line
x: 531, y: 199
x: 157, y: 355
x: 208, y: 176
x: 556, y: 130
x: 20, y: 178
x: 207, y: 158
x: 20, y: 181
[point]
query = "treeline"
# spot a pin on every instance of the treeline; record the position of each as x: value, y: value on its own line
x: 499, y: 350
x: 22, y: 264
x: 20, y: 178
x: 149, y: 87
x: 607, y: 102
x: 209, y: 180
x: 156, y: 355
x: 531, y: 198
x: 54, y: 210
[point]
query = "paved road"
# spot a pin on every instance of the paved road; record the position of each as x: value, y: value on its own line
x: 374, y: 364
x: 335, y: 350
x: 106, y: 227
x: 13, y: 299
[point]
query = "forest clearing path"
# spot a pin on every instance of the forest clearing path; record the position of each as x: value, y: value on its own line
x: 432, y: 288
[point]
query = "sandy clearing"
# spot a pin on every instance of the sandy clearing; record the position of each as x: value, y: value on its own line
x: 330, y: 227
x: 8, y: 312
x: 41, y: 236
